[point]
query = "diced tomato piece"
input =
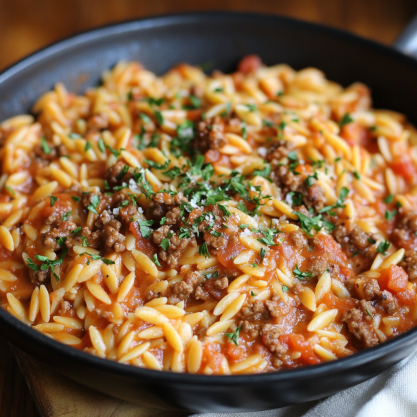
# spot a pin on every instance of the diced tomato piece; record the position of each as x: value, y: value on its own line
x: 406, y: 297
x: 235, y: 353
x: 343, y: 305
x: 212, y: 155
x: 228, y: 253
x: 144, y: 245
x: 299, y: 344
x: 249, y: 64
x: 212, y: 357
x: 394, y: 278
x: 404, y: 166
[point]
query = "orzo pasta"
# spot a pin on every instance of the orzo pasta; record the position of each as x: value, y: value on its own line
x: 218, y: 224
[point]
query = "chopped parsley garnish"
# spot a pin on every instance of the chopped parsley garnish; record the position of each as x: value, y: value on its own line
x: 356, y: 253
x: 389, y: 215
x: 371, y: 241
x: 234, y: 337
x: 356, y: 175
x: 101, y: 145
x: 165, y: 244
x: 172, y: 173
x: 76, y: 231
x: 310, y: 179
x: 219, y: 90
x: 98, y: 258
x: 74, y: 136
x: 212, y: 275
x: 339, y: 203
x: 53, y: 200
x: 87, y: 147
x: 215, y: 234
x: 163, y: 220
x: 367, y: 312
x: 115, y: 152
x: 316, y: 223
x: 45, y: 146
x: 252, y: 294
x: 268, y: 238
x: 389, y: 199
x: 383, y: 247
x: 84, y: 241
x: 145, y: 230
x: 300, y: 274
x: 346, y: 119
x: 263, y: 254
x: 195, y: 101
x: 75, y: 198
x: 123, y: 172
x: 251, y: 107
x: 94, y: 202
x: 155, y: 259
x: 294, y: 198
x: 155, y: 165
x: 285, y: 288
x: 203, y: 250
x: 224, y: 209
x: 66, y: 216
x: 267, y: 123
x: 244, y: 130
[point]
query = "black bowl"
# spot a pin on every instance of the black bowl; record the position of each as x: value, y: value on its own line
x: 220, y: 39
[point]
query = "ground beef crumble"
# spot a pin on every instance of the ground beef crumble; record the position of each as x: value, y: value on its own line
x: 409, y: 263
x: 210, y: 135
x: 359, y: 323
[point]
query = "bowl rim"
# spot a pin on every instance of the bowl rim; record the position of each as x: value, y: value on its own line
x: 106, y: 365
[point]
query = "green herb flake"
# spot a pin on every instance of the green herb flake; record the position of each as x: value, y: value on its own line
x: 389, y: 199
x: 300, y: 274
x: 346, y: 119
x: 203, y: 250
x: 75, y: 198
x: 145, y: 230
x: 155, y: 259
x: 285, y: 288
x: 101, y: 145
x: 53, y: 200
x: 389, y: 215
x: 383, y: 247
x: 94, y: 202
x: 66, y: 216
x: 234, y: 337
x: 45, y: 146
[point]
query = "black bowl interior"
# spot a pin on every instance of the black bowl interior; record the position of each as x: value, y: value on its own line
x: 218, y: 40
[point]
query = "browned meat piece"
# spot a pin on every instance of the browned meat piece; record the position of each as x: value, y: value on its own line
x: 54, y: 152
x: 289, y: 181
x: 371, y: 290
x: 201, y: 293
x: 250, y: 328
x: 176, y: 246
x: 117, y: 174
x: 209, y: 135
x: 99, y: 121
x: 388, y: 302
x: 126, y: 213
x: 254, y: 310
x: 173, y: 216
x: 314, y: 196
x: 108, y: 237
x: 64, y: 230
x: 354, y: 241
x: 299, y: 239
x: 277, y: 151
x: 410, y: 264
x: 163, y: 204
x: 270, y: 336
x: 360, y: 325
x: 39, y: 277
x: 221, y: 283
x: 182, y: 290
x: 302, y: 209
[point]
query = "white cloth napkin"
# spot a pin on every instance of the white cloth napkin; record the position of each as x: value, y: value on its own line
x: 391, y: 394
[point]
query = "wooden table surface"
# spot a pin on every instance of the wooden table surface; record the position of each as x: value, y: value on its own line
x: 27, y: 25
